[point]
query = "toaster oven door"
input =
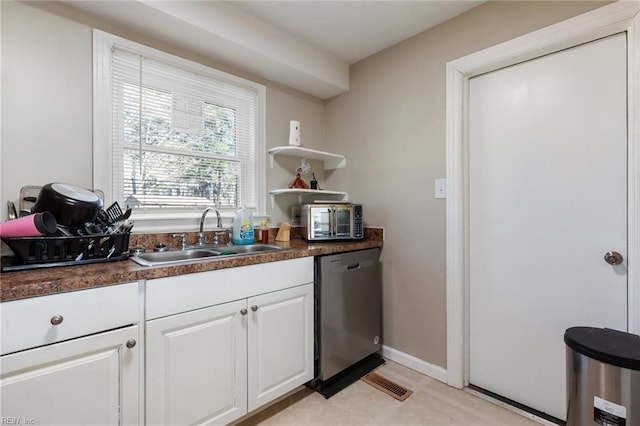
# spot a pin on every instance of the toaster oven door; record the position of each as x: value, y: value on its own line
x: 343, y: 222
x: 321, y: 221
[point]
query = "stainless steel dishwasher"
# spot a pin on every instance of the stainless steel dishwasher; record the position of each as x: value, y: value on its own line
x: 348, y: 312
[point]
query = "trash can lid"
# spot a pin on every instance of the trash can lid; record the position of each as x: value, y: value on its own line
x: 604, y: 344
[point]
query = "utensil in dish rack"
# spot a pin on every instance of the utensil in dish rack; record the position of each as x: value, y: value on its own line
x: 13, y: 214
x: 114, y: 212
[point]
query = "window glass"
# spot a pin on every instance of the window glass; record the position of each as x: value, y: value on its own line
x: 182, y: 135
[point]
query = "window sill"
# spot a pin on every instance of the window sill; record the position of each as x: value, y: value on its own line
x: 181, y: 221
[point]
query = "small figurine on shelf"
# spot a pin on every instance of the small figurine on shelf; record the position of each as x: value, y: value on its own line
x: 298, y: 182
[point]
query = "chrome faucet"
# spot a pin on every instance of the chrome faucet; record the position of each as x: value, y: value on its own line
x: 204, y: 214
x: 183, y: 240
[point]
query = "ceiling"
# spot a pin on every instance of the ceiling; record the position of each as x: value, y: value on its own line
x: 353, y: 30
x: 307, y: 45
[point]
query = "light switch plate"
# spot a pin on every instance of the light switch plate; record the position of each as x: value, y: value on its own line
x: 441, y: 188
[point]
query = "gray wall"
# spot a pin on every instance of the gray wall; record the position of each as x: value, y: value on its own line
x: 391, y: 127
x: 47, y: 102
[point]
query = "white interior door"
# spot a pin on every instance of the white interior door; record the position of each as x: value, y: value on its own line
x: 547, y: 200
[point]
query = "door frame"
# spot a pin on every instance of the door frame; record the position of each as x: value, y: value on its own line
x: 611, y: 19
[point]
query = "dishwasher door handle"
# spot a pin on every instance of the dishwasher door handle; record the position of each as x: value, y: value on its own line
x: 353, y: 267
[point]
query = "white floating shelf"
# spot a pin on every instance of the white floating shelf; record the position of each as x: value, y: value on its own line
x: 305, y: 192
x: 331, y: 161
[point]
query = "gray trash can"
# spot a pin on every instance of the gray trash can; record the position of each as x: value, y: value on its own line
x: 603, y: 377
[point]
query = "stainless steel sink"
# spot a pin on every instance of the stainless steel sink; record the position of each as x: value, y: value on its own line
x: 191, y: 254
x: 171, y: 257
x: 248, y: 249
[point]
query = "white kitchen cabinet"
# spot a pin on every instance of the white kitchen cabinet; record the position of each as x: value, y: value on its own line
x: 37, y: 321
x: 222, y: 343
x: 92, y: 378
x: 87, y: 381
x: 196, y: 366
x: 280, y: 343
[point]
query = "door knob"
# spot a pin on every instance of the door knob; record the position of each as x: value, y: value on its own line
x: 254, y: 308
x: 613, y: 258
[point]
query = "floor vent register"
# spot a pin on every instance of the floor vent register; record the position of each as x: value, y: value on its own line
x: 387, y: 386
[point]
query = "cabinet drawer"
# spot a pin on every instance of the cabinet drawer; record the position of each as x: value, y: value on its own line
x: 37, y: 321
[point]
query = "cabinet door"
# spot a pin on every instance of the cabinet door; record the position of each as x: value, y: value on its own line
x: 85, y: 381
x: 280, y: 343
x: 196, y: 366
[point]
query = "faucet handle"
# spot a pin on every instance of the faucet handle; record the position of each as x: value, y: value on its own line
x: 183, y: 240
x: 221, y: 234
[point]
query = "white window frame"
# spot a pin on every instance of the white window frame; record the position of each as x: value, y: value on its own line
x: 158, y: 219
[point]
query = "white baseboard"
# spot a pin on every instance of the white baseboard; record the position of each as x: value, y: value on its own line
x: 409, y: 361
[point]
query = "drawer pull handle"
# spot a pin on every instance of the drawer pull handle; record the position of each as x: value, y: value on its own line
x: 57, y: 319
x: 254, y: 308
x: 131, y: 343
x: 243, y: 311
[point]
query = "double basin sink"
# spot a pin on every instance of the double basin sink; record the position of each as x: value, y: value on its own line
x: 158, y: 258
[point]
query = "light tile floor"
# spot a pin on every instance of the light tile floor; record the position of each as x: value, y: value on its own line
x: 432, y: 403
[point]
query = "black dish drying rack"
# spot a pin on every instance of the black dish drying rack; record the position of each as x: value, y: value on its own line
x: 43, y: 252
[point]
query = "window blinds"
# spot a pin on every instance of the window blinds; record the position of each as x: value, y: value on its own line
x: 181, y: 138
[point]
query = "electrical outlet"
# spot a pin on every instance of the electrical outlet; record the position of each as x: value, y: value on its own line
x: 441, y: 188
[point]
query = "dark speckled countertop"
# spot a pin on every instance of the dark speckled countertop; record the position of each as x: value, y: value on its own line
x: 40, y: 282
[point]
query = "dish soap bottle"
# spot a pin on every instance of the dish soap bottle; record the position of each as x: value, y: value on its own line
x: 243, y: 227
